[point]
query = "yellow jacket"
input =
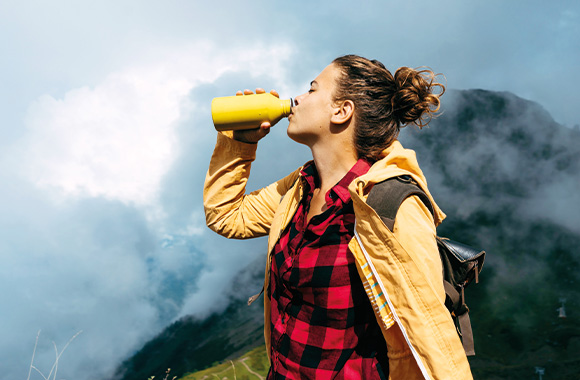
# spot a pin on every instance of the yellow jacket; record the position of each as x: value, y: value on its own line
x: 401, y: 270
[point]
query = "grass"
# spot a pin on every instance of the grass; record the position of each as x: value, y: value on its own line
x: 54, y: 369
x: 166, y: 375
x: 252, y: 365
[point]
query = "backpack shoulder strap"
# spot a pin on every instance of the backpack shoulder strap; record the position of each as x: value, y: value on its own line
x: 386, y: 197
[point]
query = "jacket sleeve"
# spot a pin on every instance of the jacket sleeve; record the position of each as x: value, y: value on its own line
x: 442, y: 352
x: 228, y: 210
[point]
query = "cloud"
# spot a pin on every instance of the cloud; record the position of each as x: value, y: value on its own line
x: 118, y: 139
x: 115, y: 141
x: 65, y: 268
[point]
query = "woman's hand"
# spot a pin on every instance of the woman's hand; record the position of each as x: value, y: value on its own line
x: 252, y: 136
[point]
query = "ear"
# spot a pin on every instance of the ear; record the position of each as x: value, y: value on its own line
x: 343, y: 113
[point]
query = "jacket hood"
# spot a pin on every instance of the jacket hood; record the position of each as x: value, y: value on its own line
x: 397, y: 161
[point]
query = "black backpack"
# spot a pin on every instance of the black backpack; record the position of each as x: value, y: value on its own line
x: 461, y: 263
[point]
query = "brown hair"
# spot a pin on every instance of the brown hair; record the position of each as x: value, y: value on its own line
x: 384, y: 103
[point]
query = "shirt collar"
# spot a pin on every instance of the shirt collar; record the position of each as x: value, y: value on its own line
x: 309, y: 175
x: 340, y: 190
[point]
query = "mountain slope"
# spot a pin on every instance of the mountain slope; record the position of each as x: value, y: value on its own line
x: 192, y: 344
x: 508, y: 177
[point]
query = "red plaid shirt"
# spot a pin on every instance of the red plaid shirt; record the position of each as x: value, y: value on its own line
x: 322, y: 323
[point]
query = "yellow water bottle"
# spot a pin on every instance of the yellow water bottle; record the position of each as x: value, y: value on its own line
x: 248, y: 111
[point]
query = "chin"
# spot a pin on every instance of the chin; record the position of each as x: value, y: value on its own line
x: 300, y: 138
x: 293, y: 136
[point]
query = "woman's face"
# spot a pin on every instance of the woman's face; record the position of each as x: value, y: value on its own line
x: 311, y: 116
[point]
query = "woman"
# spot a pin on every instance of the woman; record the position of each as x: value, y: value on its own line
x: 345, y: 298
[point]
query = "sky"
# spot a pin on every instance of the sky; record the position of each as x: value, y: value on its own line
x: 106, y: 135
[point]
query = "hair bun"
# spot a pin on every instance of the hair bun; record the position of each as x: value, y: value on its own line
x: 414, y: 100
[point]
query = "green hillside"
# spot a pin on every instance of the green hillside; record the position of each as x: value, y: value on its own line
x: 252, y: 365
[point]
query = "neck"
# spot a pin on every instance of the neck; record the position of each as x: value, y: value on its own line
x: 333, y: 161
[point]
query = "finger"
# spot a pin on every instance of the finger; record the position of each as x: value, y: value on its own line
x: 275, y: 93
x: 238, y: 93
x: 263, y: 132
x: 265, y: 125
x: 248, y: 92
x: 260, y: 90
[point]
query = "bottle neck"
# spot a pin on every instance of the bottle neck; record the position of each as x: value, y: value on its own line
x: 287, y: 103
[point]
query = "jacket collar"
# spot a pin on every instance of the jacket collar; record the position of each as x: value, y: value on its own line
x: 396, y: 161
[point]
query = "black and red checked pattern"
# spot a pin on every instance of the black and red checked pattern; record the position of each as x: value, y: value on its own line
x: 322, y: 323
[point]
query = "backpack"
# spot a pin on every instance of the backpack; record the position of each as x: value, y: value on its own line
x: 461, y: 263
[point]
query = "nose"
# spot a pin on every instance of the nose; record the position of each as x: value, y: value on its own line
x: 298, y: 99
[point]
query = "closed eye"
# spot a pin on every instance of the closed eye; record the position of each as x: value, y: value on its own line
x: 312, y: 85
